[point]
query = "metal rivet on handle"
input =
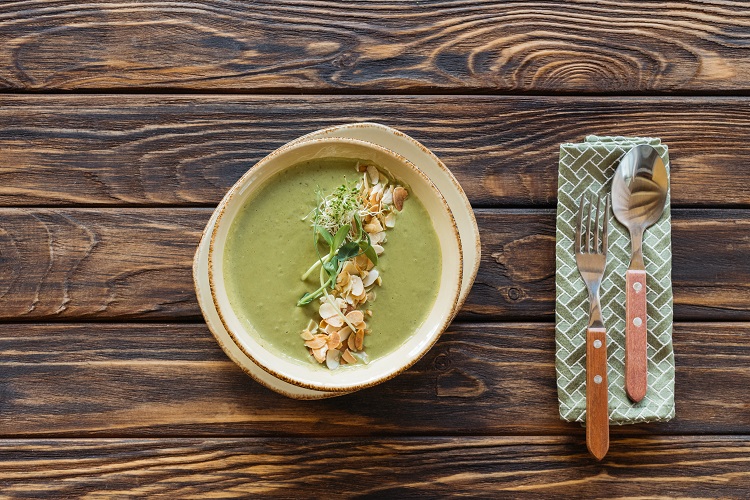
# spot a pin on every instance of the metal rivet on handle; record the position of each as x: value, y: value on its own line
x: 637, y: 321
x: 598, y: 379
x: 597, y: 343
x: 637, y: 286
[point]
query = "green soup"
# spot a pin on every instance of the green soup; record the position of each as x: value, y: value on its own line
x: 269, y: 247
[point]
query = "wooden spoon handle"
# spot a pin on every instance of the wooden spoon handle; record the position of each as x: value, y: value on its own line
x: 636, y: 368
x: 597, y: 394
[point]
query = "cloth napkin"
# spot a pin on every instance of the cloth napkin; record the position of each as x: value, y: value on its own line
x: 589, y: 167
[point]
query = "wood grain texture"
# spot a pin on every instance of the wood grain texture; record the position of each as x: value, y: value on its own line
x: 188, y: 150
x: 103, y: 264
x: 636, y: 334
x: 88, y: 264
x: 385, y: 45
x: 597, y: 393
x: 150, y: 380
x: 706, y: 467
x: 516, y: 278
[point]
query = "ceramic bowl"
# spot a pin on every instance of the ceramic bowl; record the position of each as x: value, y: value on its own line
x: 417, y: 343
x: 397, y: 142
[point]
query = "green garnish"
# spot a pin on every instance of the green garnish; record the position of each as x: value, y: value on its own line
x: 338, y: 221
x: 338, y: 208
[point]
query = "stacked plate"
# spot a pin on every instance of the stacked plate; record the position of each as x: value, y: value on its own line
x: 396, y: 142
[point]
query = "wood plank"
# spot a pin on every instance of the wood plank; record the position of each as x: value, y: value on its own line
x: 103, y: 264
x: 98, y: 263
x: 657, y: 467
x: 188, y: 150
x: 444, y: 45
x: 149, y: 380
x: 516, y: 279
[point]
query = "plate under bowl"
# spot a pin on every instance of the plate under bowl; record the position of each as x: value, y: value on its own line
x: 398, y: 142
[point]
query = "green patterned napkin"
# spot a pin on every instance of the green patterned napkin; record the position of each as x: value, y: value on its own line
x: 589, y: 167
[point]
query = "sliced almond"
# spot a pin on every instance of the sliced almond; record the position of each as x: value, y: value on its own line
x: 356, y: 317
x: 349, y: 268
x: 381, y: 219
x: 377, y: 237
x: 377, y: 192
x: 332, y: 359
x: 342, y: 279
x: 329, y: 329
x: 373, y: 227
x: 363, y: 357
x: 387, y: 198
x: 390, y: 220
x: 373, y: 173
x: 378, y: 249
x: 320, y: 354
x: 336, y: 321
x: 317, y: 342
x: 312, y: 326
x: 359, y: 339
x: 307, y: 335
x: 351, y: 342
x: 399, y: 195
x: 327, y: 310
x: 369, y: 312
x: 361, y: 167
x: 374, y: 206
x: 363, y: 262
x: 344, y: 333
x: 357, y: 286
x: 371, y: 277
x: 334, y: 340
x: 347, y: 356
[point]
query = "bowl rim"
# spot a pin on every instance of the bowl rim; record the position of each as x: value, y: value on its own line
x: 445, y: 319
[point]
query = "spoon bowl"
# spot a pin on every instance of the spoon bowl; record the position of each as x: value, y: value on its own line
x: 639, y: 189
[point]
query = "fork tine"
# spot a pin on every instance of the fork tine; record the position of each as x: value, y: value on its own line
x: 596, y: 223
x: 588, y: 230
x: 579, y: 219
x: 604, y: 230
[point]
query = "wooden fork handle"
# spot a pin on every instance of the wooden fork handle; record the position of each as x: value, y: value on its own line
x: 636, y: 370
x: 597, y: 394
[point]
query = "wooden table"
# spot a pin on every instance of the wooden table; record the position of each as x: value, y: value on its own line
x: 122, y: 125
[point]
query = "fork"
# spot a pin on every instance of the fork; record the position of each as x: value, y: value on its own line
x: 591, y: 262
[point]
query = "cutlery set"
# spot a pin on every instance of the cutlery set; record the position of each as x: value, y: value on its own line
x: 639, y: 193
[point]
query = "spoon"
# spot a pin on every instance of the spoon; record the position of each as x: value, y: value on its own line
x: 639, y: 193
